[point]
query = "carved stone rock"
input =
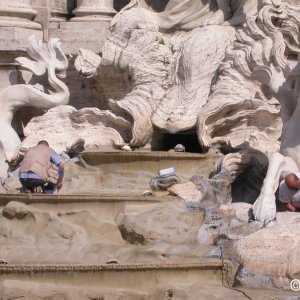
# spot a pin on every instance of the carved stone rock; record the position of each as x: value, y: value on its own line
x: 64, y: 125
x: 167, y: 222
x: 268, y: 256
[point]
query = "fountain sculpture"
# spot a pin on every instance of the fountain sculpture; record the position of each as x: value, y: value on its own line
x: 224, y: 74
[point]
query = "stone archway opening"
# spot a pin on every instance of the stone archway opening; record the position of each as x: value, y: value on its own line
x: 167, y: 141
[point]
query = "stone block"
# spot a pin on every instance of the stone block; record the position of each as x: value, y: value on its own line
x: 16, y: 38
x: 73, y: 35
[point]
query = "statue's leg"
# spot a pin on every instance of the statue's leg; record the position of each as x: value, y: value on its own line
x: 264, y: 208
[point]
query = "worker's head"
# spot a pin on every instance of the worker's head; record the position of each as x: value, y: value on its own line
x: 43, y: 142
x: 292, y: 181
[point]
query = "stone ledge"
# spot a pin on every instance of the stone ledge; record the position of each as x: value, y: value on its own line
x: 206, y: 264
x: 85, y: 198
x: 226, y: 268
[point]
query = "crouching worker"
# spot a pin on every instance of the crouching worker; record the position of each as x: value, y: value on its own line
x: 41, y: 167
x: 289, y: 192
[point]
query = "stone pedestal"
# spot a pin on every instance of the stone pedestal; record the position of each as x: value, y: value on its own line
x: 61, y: 9
x: 16, y: 24
x: 94, y: 10
x: 17, y: 13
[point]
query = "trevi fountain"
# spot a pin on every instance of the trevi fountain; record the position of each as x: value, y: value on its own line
x: 176, y: 121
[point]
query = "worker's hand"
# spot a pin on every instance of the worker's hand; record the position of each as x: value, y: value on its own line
x: 59, y: 185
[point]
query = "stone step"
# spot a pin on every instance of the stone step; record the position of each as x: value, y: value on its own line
x: 60, y: 198
x: 150, y: 161
x: 130, y: 173
x: 138, y: 278
x: 68, y: 229
x: 206, y: 279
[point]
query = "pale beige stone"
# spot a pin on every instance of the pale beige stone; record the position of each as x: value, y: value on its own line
x: 93, y: 10
x: 187, y: 191
x: 268, y: 257
x: 168, y: 222
x: 62, y: 126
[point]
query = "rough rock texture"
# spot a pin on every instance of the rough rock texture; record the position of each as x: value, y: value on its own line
x: 163, y: 182
x: 184, y: 100
x: 188, y: 192
x: 196, y: 193
x: 269, y: 257
x: 46, y: 237
x: 170, y: 93
x: 229, y: 222
x: 14, y: 289
x: 64, y: 125
x: 168, y: 222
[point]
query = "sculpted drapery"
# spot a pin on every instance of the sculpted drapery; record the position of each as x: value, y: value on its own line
x: 189, y: 14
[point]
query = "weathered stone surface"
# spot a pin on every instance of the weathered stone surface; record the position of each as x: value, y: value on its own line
x: 196, y: 193
x: 15, y: 210
x: 230, y: 222
x: 269, y: 257
x: 10, y: 289
x: 64, y: 125
x: 187, y: 191
x: 38, y: 235
x: 163, y: 182
x: 168, y: 222
x: 94, y: 9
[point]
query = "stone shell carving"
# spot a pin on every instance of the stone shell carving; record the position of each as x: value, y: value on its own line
x: 226, y: 121
x: 64, y: 125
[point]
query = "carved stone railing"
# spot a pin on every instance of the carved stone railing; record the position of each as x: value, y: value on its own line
x: 94, y: 10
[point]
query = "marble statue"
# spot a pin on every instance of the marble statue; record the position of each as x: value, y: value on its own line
x: 221, y: 99
x: 191, y: 67
x: 190, y: 14
x: 46, y: 60
x: 288, y: 158
x: 168, y: 91
x: 179, y: 86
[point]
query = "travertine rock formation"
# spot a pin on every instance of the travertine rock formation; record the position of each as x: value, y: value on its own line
x: 64, y: 125
x: 168, y: 222
x: 219, y: 99
x: 269, y: 257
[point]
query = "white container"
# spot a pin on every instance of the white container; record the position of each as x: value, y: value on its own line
x: 167, y: 172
